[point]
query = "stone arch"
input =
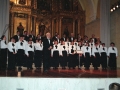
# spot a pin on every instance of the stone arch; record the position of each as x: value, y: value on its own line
x: 90, y: 7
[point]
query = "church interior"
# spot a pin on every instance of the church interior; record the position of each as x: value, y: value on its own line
x: 83, y: 17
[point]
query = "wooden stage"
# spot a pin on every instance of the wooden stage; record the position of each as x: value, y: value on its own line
x: 60, y: 73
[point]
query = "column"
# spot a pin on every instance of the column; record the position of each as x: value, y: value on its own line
x: 34, y: 25
x: 73, y: 26
x: 29, y: 23
x: 52, y: 27
x: 57, y: 25
x: 79, y: 26
x: 12, y: 24
x: 4, y: 17
x: 105, y: 21
x: 60, y: 23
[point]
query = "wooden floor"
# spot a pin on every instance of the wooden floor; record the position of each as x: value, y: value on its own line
x: 60, y: 73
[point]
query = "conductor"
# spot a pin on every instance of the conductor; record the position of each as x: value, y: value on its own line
x: 47, y: 46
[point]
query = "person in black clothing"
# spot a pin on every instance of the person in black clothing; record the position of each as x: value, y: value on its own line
x: 55, y: 53
x: 32, y: 36
x: 11, y: 54
x: 47, y: 46
x: 3, y: 60
x: 26, y: 36
x: 17, y: 36
x: 71, y: 38
x: 38, y: 53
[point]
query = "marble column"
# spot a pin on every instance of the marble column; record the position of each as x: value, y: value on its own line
x: 105, y: 21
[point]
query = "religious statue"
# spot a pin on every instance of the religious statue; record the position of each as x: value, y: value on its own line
x: 20, y: 28
x: 42, y: 28
x: 66, y: 32
x: 23, y: 2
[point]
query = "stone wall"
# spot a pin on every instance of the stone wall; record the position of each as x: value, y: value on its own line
x: 115, y: 31
x: 93, y: 28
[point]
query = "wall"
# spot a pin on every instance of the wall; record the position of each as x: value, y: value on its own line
x: 93, y: 28
x: 115, y: 31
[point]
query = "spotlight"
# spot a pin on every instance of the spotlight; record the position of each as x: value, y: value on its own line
x: 113, y: 8
x: 117, y: 6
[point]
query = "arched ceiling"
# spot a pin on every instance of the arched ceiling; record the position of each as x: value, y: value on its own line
x: 90, y: 6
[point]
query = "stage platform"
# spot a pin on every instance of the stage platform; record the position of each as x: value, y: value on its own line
x: 69, y: 79
x: 61, y: 73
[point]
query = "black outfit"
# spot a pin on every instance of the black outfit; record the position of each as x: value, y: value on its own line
x: 38, y: 55
x: 38, y: 58
x: 30, y: 59
x: 33, y: 38
x: 71, y: 61
x: 11, y: 57
x: 64, y: 57
x: 97, y: 59
x: 3, y: 60
x: 103, y: 57
x: 87, y: 60
x: 55, y: 59
x: 26, y: 37
x: 112, y: 53
x: 46, y: 53
x: 104, y: 60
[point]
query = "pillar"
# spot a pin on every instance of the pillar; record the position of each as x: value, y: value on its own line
x: 105, y: 21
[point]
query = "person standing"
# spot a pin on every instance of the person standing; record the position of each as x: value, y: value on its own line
x: 29, y: 51
x: 3, y: 52
x: 11, y: 54
x: 55, y: 53
x: 103, y: 52
x: 38, y: 53
x: 20, y: 47
x: 64, y: 54
x: 112, y: 55
x: 71, y: 61
x: 47, y: 46
x: 96, y: 54
x: 80, y: 56
x: 87, y: 55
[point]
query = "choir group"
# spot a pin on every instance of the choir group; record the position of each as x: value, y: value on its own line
x: 24, y: 50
